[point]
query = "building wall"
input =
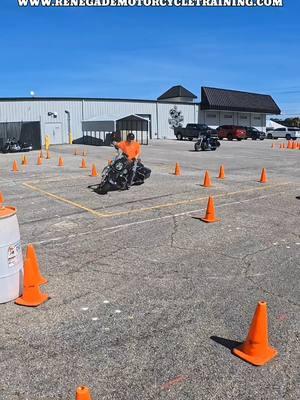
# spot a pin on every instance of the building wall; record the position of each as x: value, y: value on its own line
x: 216, y: 118
x: 82, y: 110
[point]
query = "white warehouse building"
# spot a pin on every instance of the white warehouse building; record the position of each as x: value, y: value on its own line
x: 93, y: 120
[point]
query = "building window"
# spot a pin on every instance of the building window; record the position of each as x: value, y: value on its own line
x: 227, y: 116
x: 243, y: 117
x: 257, y: 118
x: 211, y: 115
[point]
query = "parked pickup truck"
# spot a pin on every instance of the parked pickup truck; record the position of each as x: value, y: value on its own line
x: 192, y: 131
x: 284, y: 132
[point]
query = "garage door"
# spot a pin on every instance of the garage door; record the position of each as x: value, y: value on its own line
x: 212, y: 118
x: 227, y: 119
x: 244, y: 119
x: 256, y: 120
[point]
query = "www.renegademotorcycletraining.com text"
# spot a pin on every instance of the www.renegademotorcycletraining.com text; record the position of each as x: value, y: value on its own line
x: 151, y: 3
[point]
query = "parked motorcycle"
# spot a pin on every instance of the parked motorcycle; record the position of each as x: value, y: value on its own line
x: 207, y: 143
x: 121, y: 174
x: 15, y: 146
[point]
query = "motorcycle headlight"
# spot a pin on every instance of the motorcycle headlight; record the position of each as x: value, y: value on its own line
x: 118, y: 166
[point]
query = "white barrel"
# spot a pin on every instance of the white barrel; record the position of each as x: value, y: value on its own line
x: 11, y: 259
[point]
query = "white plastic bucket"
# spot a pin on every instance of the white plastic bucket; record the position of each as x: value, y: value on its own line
x: 11, y: 259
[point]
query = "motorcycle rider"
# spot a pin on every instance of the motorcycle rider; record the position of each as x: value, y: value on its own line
x: 133, y: 151
x: 130, y: 147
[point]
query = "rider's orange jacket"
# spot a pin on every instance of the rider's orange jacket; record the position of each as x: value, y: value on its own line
x: 132, y: 149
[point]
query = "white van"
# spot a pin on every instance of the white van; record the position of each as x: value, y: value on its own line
x: 284, y: 132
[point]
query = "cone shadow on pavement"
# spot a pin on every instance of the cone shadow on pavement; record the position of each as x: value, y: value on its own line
x: 228, y: 343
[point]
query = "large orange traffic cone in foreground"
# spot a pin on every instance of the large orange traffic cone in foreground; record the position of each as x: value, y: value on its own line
x: 15, y: 167
x: 32, y: 296
x: 1, y: 199
x: 263, y: 178
x: 294, y: 145
x: 256, y: 349
x: 177, y: 170
x: 39, y: 161
x: 35, y: 268
x: 61, y: 162
x: 210, y: 215
x: 221, y: 173
x: 289, y: 146
x: 207, y: 180
x: 94, y: 171
x: 83, y: 164
x: 83, y: 393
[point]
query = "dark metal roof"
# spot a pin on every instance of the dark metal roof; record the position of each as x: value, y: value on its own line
x: 233, y: 100
x: 176, y: 91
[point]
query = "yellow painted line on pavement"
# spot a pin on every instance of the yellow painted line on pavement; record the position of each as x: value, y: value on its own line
x: 150, y: 208
x: 182, y: 202
x: 64, y: 200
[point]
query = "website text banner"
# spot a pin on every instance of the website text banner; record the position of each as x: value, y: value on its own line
x: 151, y: 3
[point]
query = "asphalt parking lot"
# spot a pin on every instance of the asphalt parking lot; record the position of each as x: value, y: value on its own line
x: 147, y: 302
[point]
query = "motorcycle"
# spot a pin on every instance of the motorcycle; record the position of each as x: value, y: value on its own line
x: 121, y: 174
x: 15, y: 146
x: 207, y: 143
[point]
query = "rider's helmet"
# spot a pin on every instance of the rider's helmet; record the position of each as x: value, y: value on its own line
x: 130, y: 137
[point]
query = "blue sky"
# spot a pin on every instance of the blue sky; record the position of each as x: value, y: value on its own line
x: 141, y: 52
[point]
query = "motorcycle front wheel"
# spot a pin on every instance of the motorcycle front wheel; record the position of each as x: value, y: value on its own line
x: 197, y: 147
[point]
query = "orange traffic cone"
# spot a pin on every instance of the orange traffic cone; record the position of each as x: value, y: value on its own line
x: 94, y: 171
x: 289, y: 146
x: 83, y: 393
x: 25, y: 161
x: 35, y: 268
x: 48, y: 155
x: 61, y: 162
x: 256, y: 349
x: 177, y: 170
x: 263, y: 178
x: 280, y: 146
x: 207, y: 180
x: 41, y: 154
x: 210, y: 215
x: 39, y: 160
x: 1, y: 199
x: 221, y: 173
x: 15, y: 167
x: 32, y: 296
x: 283, y: 145
x: 294, y: 146
x: 83, y: 164
x: 273, y: 146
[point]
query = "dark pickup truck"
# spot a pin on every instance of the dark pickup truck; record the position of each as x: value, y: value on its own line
x: 193, y: 131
